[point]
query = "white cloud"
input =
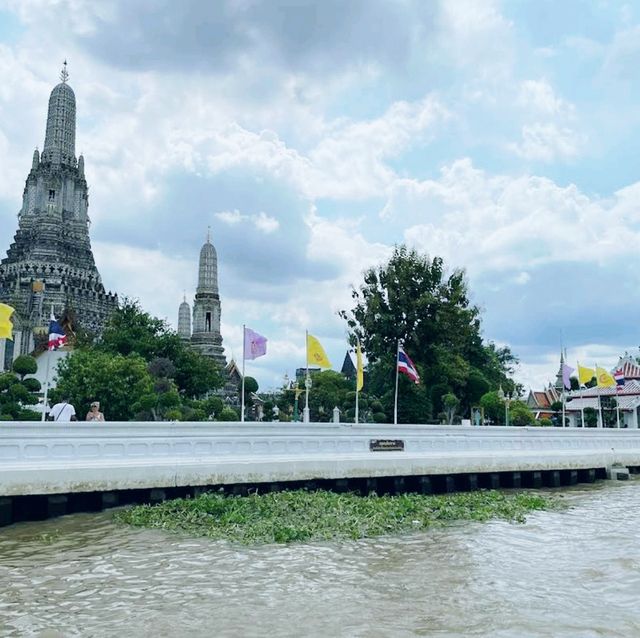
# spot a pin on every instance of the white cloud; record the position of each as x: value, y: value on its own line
x: 499, y: 222
x: 478, y: 37
x: 540, y: 96
x: 548, y: 142
x: 261, y: 221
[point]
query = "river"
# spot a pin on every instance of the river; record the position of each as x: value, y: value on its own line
x: 573, y: 572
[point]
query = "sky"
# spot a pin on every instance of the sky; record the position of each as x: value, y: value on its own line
x: 314, y: 136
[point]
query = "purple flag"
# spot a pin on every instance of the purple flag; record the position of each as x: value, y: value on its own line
x: 566, y: 375
x: 255, y: 345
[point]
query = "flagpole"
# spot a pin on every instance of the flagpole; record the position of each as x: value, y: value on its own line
x: 395, y: 402
x: 617, y: 409
x: 598, y: 386
x: 305, y: 412
x: 563, y: 407
x: 581, y: 398
x: 46, y: 386
x: 357, y: 391
x: 244, y: 338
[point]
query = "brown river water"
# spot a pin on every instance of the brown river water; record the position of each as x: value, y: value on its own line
x: 573, y: 572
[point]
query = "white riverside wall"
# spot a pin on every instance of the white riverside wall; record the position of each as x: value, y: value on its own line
x: 54, y: 458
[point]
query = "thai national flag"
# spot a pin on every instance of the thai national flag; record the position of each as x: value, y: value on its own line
x: 57, y: 337
x: 618, y: 375
x: 405, y: 365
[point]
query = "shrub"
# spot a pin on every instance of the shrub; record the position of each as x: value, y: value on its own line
x: 227, y: 414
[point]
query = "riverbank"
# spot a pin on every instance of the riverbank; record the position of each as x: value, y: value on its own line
x: 285, y: 517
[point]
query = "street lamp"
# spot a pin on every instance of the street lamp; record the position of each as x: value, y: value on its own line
x: 297, y: 391
x: 507, y: 399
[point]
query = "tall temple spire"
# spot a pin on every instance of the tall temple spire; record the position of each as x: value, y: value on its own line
x: 60, y: 137
x: 184, y: 319
x: 206, y: 337
x: 559, y: 385
x: 208, y: 268
x: 50, y: 261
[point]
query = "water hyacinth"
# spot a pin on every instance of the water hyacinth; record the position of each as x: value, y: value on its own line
x: 297, y: 516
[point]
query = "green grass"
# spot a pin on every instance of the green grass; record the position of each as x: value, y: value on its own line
x: 286, y: 517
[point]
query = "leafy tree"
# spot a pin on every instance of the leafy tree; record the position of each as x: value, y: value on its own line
x: 544, y: 422
x: 196, y: 376
x: 118, y: 382
x: 228, y: 414
x: 575, y: 384
x: 23, y: 365
x: 493, y: 407
x: 556, y: 408
x: 413, y: 299
x: 451, y: 404
x: 32, y: 384
x: 250, y: 385
x: 130, y: 330
x: 590, y: 417
x: 15, y: 395
x: 331, y: 389
x: 520, y: 414
x: 477, y: 385
x: 162, y: 367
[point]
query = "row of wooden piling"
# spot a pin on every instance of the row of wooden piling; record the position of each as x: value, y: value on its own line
x: 14, y: 509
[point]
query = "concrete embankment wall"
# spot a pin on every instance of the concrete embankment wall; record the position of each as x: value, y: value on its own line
x: 48, y: 469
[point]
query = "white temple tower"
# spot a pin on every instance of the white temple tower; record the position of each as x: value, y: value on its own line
x: 206, y: 338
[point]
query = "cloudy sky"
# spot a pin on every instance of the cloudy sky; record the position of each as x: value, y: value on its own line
x: 312, y: 136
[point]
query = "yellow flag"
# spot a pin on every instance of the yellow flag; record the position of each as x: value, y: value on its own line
x: 316, y: 356
x: 6, y: 327
x: 585, y: 374
x: 359, y: 369
x: 605, y: 380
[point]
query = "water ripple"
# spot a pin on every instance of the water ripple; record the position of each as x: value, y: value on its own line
x: 567, y: 573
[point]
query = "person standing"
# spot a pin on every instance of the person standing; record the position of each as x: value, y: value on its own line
x: 94, y: 413
x: 63, y: 412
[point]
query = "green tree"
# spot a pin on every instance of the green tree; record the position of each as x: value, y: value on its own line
x: 329, y: 390
x: 15, y: 395
x: 520, y: 414
x: 228, y: 414
x: 415, y: 300
x: 23, y: 365
x: 250, y: 386
x: 451, y: 404
x: 119, y: 382
x: 493, y: 407
x: 590, y: 417
x: 130, y: 330
x: 556, y: 408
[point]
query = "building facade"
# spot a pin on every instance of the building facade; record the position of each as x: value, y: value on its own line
x: 610, y: 406
x: 50, y: 266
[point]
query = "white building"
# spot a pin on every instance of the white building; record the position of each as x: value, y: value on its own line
x: 609, y: 402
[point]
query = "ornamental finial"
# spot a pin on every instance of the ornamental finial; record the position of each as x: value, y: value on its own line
x: 64, y: 74
x: 208, y: 234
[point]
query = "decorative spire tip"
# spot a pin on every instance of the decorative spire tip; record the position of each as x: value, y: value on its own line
x: 64, y: 74
x: 208, y: 234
